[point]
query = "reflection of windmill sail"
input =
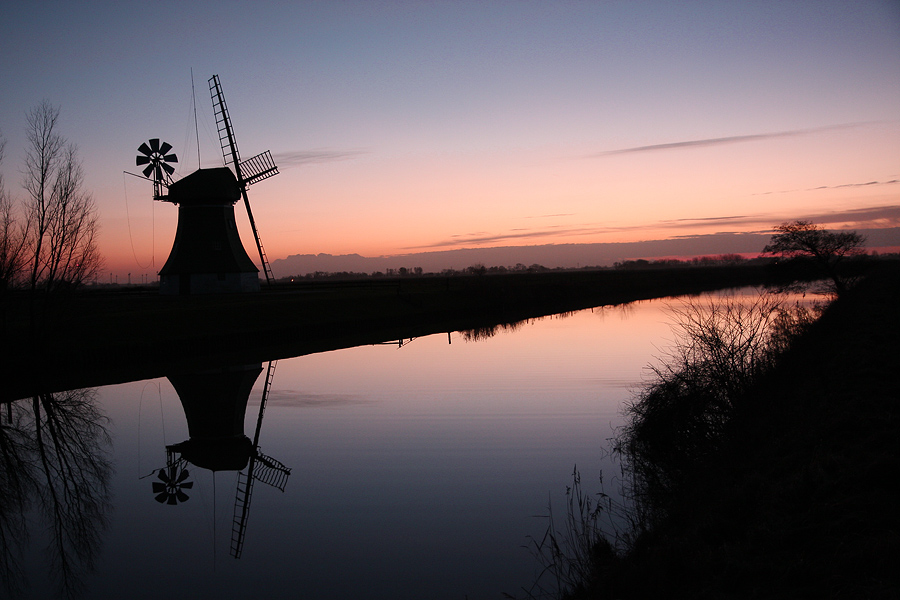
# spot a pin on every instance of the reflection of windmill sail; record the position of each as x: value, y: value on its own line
x: 248, y: 172
x: 260, y: 468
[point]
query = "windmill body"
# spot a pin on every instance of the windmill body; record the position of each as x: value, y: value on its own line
x: 207, y: 256
x: 215, y: 403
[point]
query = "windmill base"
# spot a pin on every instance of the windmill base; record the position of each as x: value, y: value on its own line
x: 186, y: 284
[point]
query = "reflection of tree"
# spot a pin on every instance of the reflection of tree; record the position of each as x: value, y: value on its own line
x: 17, y: 482
x: 478, y: 334
x: 484, y: 332
x: 55, y: 457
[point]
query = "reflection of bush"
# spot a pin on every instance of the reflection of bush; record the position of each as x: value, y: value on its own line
x: 723, y: 347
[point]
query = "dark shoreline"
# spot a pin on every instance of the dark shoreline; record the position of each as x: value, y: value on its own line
x: 100, y: 337
x: 799, y: 501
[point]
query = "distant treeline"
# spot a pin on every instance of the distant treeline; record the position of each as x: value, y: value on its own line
x: 480, y: 269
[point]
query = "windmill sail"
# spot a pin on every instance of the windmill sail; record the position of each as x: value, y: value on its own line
x: 260, y: 168
x: 172, y: 482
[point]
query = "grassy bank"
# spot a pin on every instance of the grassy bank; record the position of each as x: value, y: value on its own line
x: 797, y: 500
x: 97, y: 338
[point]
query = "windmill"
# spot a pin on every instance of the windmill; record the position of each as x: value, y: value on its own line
x: 157, y: 158
x: 207, y: 256
x: 248, y: 172
x: 214, y: 403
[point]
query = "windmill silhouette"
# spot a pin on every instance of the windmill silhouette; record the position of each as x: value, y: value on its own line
x: 214, y: 403
x: 259, y: 468
x: 207, y: 255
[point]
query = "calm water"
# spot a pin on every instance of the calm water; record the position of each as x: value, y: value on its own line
x: 414, y: 472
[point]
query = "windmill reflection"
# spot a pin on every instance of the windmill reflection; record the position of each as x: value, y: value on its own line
x: 54, y: 457
x: 170, y: 488
x: 215, y: 403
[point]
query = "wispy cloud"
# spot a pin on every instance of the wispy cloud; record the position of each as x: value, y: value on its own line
x: 303, y: 157
x: 730, y: 221
x: 879, y: 216
x: 487, y: 239
x: 833, y: 187
x: 734, y: 139
x: 550, y: 216
x: 708, y: 219
x: 869, y: 217
x: 847, y: 185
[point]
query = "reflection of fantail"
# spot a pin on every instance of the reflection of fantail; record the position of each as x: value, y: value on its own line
x: 172, y: 482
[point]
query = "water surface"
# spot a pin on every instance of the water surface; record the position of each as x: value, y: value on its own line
x: 414, y: 472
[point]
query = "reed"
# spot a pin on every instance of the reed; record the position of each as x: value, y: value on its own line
x: 571, y: 551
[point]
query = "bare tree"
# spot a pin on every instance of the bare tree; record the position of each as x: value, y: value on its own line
x: 61, y: 221
x: 11, y: 239
x: 828, y: 249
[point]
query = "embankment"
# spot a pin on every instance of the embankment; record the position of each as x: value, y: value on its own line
x: 801, y: 500
x: 99, y: 338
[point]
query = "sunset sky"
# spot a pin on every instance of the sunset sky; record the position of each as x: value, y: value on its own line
x: 404, y: 127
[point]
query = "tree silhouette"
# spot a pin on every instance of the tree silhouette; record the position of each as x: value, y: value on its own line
x: 60, y: 220
x: 12, y: 243
x: 828, y: 249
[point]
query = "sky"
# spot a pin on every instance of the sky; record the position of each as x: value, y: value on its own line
x: 404, y: 127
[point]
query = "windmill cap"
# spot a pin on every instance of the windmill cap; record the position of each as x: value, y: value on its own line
x: 217, y: 185
x: 218, y: 454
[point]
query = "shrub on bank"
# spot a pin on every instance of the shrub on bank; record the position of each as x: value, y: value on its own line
x: 723, y: 347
